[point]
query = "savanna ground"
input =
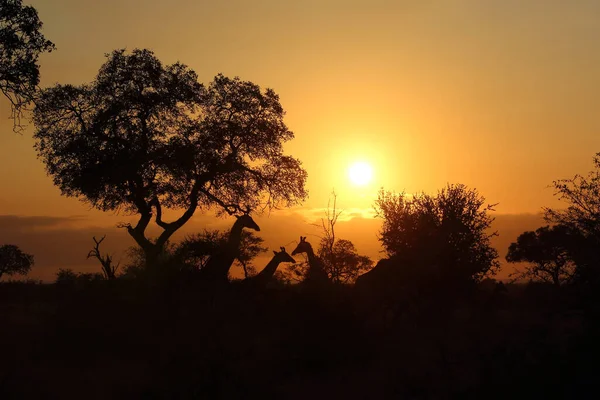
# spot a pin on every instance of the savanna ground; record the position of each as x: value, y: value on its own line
x: 136, y: 339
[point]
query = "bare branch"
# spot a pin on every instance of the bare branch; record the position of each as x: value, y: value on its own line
x: 108, y: 269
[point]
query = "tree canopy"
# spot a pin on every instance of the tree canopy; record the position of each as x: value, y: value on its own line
x: 14, y: 261
x: 143, y: 136
x: 449, y: 232
x: 21, y: 44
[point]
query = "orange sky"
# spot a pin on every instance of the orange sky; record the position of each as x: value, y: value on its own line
x: 498, y: 95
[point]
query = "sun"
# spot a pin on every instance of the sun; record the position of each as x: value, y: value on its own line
x: 360, y: 173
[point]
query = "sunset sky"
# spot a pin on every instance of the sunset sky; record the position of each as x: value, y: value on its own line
x: 499, y: 95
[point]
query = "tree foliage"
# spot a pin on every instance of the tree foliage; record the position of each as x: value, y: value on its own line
x: 449, y: 232
x: 143, y: 136
x: 14, y: 261
x: 21, y: 44
x: 547, y: 250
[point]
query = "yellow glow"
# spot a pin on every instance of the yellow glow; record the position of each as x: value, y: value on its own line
x: 360, y: 173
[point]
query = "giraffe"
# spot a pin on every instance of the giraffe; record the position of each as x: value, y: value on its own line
x: 217, y: 267
x: 316, y: 270
x: 376, y: 275
x: 264, y: 276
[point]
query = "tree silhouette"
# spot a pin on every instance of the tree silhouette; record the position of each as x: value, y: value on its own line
x: 581, y: 193
x: 21, y: 44
x: 448, y: 232
x: 195, y: 250
x: 547, y: 252
x: 14, y: 261
x: 142, y: 137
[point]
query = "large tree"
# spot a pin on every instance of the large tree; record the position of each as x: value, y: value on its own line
x: 14, y: 261
x: 547, y: 253
x: 447, y: 234
x: 143, y: 137
x: 21, y: 44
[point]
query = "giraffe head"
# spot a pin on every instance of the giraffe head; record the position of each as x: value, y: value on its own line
x: 303, y: 246
x: 283, y: 256
x: 247, y: 222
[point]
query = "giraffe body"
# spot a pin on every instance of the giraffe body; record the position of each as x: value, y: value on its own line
x: 217, y: 267
x: 316, y: 270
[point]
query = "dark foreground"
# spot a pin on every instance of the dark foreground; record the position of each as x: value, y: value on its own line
x: 127, y: 339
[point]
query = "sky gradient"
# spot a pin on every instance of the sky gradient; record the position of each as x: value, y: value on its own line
x: 499, y: 95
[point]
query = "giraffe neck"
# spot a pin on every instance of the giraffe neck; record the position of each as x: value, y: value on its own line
x: 218, y: 265
x: 316, y: 270
x: 313, y: 261
x: 269, y: 270
x: 235, y: 236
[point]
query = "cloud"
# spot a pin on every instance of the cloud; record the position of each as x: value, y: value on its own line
x: 27, y: 223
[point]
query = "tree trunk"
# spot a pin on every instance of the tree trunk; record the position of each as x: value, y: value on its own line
x: 152, y: 254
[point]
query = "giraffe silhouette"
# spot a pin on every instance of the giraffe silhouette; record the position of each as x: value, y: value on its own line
x: 316, y: 273
x: 265, y: 276
x: 217, y: 267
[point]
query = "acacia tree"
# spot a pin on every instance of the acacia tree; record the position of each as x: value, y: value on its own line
x: 196, y: 250
x: 21, y: 44
x: 447, y: 234
x: 547, y: 252
x: 142, y: 137
x: 14, y: 261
